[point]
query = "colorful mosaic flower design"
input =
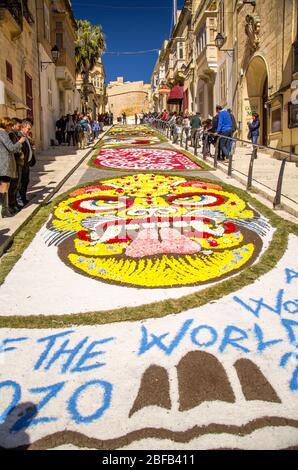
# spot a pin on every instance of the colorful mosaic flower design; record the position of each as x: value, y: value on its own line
x: 155, y: 231
x: 145, y: 159
x: 108, y: 142
x: 131, y: 131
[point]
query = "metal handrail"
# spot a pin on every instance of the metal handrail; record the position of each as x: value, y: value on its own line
x: 288, y: 156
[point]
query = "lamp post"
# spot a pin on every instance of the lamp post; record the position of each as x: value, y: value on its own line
x: 219, y: 42
x: 55, y: 53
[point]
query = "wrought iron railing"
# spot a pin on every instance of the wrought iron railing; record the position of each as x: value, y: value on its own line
x: 181, y: 135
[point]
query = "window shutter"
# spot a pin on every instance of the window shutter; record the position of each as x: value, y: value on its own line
x: 29, y: 95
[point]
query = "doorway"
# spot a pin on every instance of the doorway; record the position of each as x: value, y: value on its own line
x: 255, y: 96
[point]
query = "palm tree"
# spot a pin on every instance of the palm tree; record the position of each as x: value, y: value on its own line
x: 89, y: 45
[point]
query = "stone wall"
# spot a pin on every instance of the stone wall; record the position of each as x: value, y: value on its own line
x: 129, y: 97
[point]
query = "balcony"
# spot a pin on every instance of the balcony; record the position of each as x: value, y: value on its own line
x: 11, y: 16
x: 65, y: 70
x: 206, y: 55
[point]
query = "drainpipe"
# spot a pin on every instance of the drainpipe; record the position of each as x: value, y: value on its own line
x: 175, y: 12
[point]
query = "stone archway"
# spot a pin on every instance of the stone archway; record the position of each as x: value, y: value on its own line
x: 255, y: 96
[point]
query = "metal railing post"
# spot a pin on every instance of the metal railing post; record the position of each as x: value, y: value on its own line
x: 251, y: 167
x: 173, y: 134
x: 216, y: 152
x: 196, y: 138
x: 186, y: 138
x: 231, y: 154
x: 277, y: 199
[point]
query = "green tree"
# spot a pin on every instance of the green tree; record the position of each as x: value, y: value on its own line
x: 89, y: 45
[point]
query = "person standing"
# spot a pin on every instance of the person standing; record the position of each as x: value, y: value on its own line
x: 224, y: 128
x: 195, y: 124
x: 136, y: 119
x: 95, y: 129
x: 254, y: 128
x: 70, y: 130
x: 8, y: 170
x: 29, y: 160
x: 59, y: 125
x: 124, y: 118
x: 164, y: 115
x: 15, y: 183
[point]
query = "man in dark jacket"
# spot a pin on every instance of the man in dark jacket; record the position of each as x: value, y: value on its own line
x: 254, y: 128
x: 195, y: 124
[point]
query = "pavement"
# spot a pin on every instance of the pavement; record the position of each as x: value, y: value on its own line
x: 164, y: 340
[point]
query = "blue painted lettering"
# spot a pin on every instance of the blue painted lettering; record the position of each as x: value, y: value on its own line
x: 260, y: 304
x: 229, y: 340
x: 16, y: 389
x: 70, y: 353
x: 28, y: 418
x: 88, y: 354
x: 262, y: 345
x: 291, y: 306
x: 289, y: 326
x: 157, y: 340
x: 213, y: 336
x: 10, y: 340
x: 106, y: 388
x: 51, y: 342
x: 290, y: 275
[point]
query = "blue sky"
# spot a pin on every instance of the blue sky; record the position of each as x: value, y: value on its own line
x: 129, y: 25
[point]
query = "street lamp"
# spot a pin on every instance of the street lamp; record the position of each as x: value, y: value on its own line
x: 55, y: 56
x: 219, y: 42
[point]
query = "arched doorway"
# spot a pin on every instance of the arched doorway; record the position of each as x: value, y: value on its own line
x: 256, y: 96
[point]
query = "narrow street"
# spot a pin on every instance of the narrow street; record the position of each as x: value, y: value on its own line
x: 149, y: 305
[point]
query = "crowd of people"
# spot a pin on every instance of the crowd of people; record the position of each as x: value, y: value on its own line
x: 79, y: 130
x: 17, y: 156
x: 17, y: 152
x: 222, y: 123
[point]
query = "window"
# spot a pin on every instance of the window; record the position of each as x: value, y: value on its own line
x: 9, y: 76
x: 201, y: 40
x: 201, y: 102
x: 180, y: 50
x: 276, y: 120
x: 50, y: 93
x: 29, y: 95
x: 293, y: 115
x: 295, y: 56
x: 47, y: 32
x: 59, y: 40
x: 222, y: 17
x: 223, y: 85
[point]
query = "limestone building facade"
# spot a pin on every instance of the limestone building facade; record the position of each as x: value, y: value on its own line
x: 58, y: 93
x: 19, y: 67
x: 254, y: 70
x: 129, y: 97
